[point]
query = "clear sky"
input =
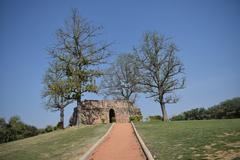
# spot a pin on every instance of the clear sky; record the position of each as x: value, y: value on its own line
x: 207, y: 32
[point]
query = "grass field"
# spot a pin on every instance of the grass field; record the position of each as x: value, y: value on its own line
x: 67, y: 144
x: 206, y: 139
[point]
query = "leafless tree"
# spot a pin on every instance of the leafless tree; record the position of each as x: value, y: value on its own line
x: 162, y: 72
x: 121, y: 80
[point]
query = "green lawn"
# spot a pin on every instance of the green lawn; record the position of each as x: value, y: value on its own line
x: 206, y: 139
x: 67, y: 144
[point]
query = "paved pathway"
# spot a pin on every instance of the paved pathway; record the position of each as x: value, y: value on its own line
x: 120, y: 144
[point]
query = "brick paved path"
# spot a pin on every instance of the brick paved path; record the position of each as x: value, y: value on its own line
x: 120, y: 144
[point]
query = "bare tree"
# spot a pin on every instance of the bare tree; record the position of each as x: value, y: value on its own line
x: 121, y: 80
x: 161, y: 69
x: 56, y: 90
x: 79, y: 49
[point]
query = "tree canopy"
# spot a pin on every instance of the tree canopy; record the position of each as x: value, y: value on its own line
x: 15, y: 129
x: 56, y: 90
x: 225, y: 110
x: 76, y: 59
x: 162, y: 72
x: 121, y: 79
x: 81, y: 52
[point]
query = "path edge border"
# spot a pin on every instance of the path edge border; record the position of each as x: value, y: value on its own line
x: 143, y: 146
x: 92, y: 149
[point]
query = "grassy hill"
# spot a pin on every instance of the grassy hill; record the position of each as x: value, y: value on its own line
x: 206, y: 139
x: 67, y: 144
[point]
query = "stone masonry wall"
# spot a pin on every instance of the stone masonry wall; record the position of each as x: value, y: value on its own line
x: 97, y: 111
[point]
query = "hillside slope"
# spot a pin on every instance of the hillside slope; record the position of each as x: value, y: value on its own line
x: 205, y: 139
x: 67, y: 144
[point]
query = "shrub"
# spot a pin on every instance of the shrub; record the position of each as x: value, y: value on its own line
x: 41, y: 131
x: 179, y: 117
x: 58, y: 126
x: 113, y: 119
x: 15, y: 129
x: 30, y: 131
x: 103, y: 120
x: 225, y: 110
x: 135, y: 118
x: 49, y: 128
x: 155, y: 118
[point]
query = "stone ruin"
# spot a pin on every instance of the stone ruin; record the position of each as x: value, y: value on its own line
x: 104, y: 111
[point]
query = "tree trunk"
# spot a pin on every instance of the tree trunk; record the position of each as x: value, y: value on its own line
x: 61, y: 123
x: 164, y: 112
x: 79, y: 105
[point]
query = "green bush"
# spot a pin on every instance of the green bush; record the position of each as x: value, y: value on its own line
x: 41, y: 131
x: 103, y: 120
x: 155, y: 118
x: 15, y: 129
x: 179, y: 117
x: 49, y: 128
x: 58, y: 126
x: 135, y: 118
x: 225, y: 110
x: 113, y: 119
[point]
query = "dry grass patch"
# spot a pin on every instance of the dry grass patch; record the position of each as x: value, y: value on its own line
x: 224, y: 155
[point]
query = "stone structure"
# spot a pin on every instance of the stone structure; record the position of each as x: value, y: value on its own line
x: 104, y: 111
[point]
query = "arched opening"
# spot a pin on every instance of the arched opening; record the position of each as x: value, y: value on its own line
x: 112, y: 117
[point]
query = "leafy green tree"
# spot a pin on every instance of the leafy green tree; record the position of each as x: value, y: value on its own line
x: 30, y: 131
x: 56, y: 90
x: 225, y: 110
x: 196, y: 114
x: 3, y: 130
x: 16, y: 128
x: 162, y: 72
x: 81, y: 52
x: 121, y: 80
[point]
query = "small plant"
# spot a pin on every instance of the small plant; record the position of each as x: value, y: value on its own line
x: 155, y: 118
x: 113, y: 119
x: 58, y: 126
x: 135, y: 118
x: 49, y: 128
x: 103, y: 120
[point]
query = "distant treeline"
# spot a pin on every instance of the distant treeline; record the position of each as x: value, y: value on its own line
x: 15, y: 129
x: 225, y: 110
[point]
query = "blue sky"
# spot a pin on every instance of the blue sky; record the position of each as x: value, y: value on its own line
x: 207, y: 33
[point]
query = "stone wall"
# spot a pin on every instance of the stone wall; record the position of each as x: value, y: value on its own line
x: 97, y: 111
